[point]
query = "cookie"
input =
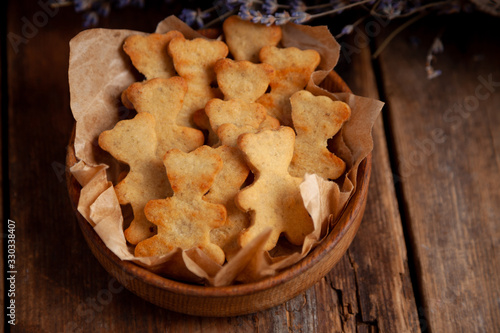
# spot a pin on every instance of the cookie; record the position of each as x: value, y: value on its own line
x: 294, y: 68
x: 149, y: 54
x: 226, y: 185
x: 134, y: 142
x: 186, y: 219
x: 316, y: 119
x: 243, y: 79
x: 245, y: 39
x: 194, y: 60
x: 235, y: 116
x: 274, y: 198
x: 163, y: 99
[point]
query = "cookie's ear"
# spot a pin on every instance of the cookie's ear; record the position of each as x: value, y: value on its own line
x: 243, y: 79
x: 268, y: 151
x: 294, y: 68
x: 163, y: 98
x: 192, y: 174
x: 245, y: 39
x: 194, y: 60
x: 149, y: 54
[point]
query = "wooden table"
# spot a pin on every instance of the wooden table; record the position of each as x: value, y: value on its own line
x: 426, y: 257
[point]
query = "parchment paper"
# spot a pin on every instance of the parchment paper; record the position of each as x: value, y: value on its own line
x: 99, y: 71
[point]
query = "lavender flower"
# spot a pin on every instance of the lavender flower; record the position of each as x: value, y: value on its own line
x: 338, y: 5
x: 90, y: 19
x: 282, y: 18
x: 248, y: 3
x: 104, y: 9
x: 276, y: 12
x: 270, y: 6
x: 432, y: 73
x: 268, y: 20
x: 82, y: 5
x: 225, y: 5
x: 244, y: 13
x: 256, y: 16
x: 437, y: 46
x: 297, y: 6
x: 190, y: 16
x: 300, y: 17
x: 347, y: 30
x: 122, y: 3
x: 200, y: 17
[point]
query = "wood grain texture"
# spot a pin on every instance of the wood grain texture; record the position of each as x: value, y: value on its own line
x: 3, y: 127
x: 37, y: 86
x: 446, y: 135
x: 376, y: 263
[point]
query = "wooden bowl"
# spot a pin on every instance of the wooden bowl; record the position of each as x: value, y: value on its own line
x: 237, y: 299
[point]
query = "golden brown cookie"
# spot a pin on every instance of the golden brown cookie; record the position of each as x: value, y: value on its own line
x: 186, y: 219
x: 235, y: 111
x: 149, y: 54
x: 163, y: 99
x: 194, y: 60
x: 316, y: 119
x: 243, y: 79
x: 294, y: 68
x: 134, y: 142
x: 231, y: 118
x: 245, y: 39
x: 274, y: 198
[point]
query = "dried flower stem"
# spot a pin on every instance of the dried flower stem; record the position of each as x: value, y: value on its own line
x: 325, y: 5
x: 220, y: 18
x: 355, y: 24
x: 424, y: 7
x: 396, y: 32
x: 333, y: 11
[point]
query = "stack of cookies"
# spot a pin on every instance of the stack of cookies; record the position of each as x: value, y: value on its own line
x: 223, y: 136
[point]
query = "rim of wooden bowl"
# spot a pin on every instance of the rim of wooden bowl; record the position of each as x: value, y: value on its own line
x: 354, y: 207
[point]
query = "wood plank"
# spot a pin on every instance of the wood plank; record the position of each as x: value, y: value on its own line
x: 39, y: 123
x: 377, y: 258
x: 3, y: 153
x: 446, y: 135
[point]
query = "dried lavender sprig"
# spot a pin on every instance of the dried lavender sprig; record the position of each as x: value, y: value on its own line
x: 297, y: 17
x: 348, y: 29
x: 336, y: 10
x: 418, y: 9
x: 436, y: 47
x: 220, y: 18
x: 190, y: 16
x: 396, y: 32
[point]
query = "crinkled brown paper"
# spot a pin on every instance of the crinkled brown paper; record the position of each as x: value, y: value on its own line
x: 98, y: 73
